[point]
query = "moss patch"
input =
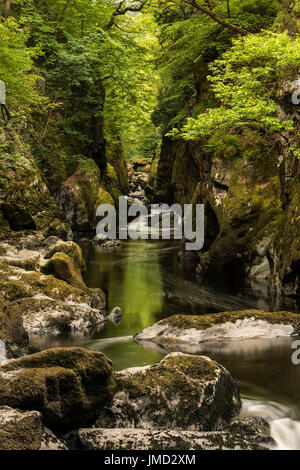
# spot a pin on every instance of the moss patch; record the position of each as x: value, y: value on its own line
x: 67, y: 385
x: 202, y: 322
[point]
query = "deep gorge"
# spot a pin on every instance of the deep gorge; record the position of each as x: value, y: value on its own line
x: 162, y: 102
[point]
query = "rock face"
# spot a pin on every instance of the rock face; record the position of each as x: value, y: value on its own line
x: 251, y: 434
x: 251, y: 193
x: 221, y: 326
x: 25, y: 201
x: 77, y: 197
x: 67, y: 385
x: 181, y: 392
x: 117, y: 158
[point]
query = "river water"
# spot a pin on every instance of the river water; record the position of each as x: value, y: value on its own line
x: 145, y: 279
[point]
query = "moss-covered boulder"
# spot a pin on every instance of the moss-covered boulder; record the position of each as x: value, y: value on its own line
x: 192, y: 329
x: 181, y: 392
x: 69, y: 248
x: 43, y: 304
x: 20, y: 430
x: 61, y: 266
x: 69, y: 386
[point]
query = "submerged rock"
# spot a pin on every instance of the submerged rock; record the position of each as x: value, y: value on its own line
x: 67, y: 385
x: 257, y: 437
x: 220, y: 326
x: 180, y: 392
x: 115, y: 315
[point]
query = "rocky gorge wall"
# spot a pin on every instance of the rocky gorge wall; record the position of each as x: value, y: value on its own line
x: 252, y: 203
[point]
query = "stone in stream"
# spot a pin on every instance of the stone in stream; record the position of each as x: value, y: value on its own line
x: 182, y: 392
x: 68, y: 386
x: 115, y: 315
x: 243, y: 434
x: 191, y: 329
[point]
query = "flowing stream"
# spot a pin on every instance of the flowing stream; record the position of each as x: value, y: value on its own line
x: 145, y: 279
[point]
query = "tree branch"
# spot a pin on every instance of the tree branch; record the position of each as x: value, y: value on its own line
x: 216, y: 18
x: 122, y: 11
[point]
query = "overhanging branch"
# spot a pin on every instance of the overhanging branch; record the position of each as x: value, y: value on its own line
x: 122, y: 11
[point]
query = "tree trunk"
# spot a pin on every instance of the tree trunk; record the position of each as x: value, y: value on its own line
x: 6, y: 8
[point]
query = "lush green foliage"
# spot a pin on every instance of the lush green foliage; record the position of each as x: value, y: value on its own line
x: 17, y: 69
x: 246, y: 82
x: 80, y: 71
x: 190, y: 42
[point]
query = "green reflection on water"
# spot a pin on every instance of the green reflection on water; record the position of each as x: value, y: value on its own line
x: 132, y: 279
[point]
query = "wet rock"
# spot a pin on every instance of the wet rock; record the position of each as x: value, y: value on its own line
x: 263, y: 246
x: 242, y: 324
x: 99, y: 239
x: 189, y: 258
x: 141, y: 164
x: 32, y: 241
x: 115, y: 315
x: 181, y: 392
x: 253, y: 435
x: 260, y: 268
x: 20, y: 430
x: 69, y: 386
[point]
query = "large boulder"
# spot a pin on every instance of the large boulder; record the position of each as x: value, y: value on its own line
x: 33, y: 302
x: 181, y: 392
x: 69, y: 386
x: 111, y: 183
x: 192, y: 329
x: 25, y: 200
x: 116, y: 157
x: 78, y: 195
